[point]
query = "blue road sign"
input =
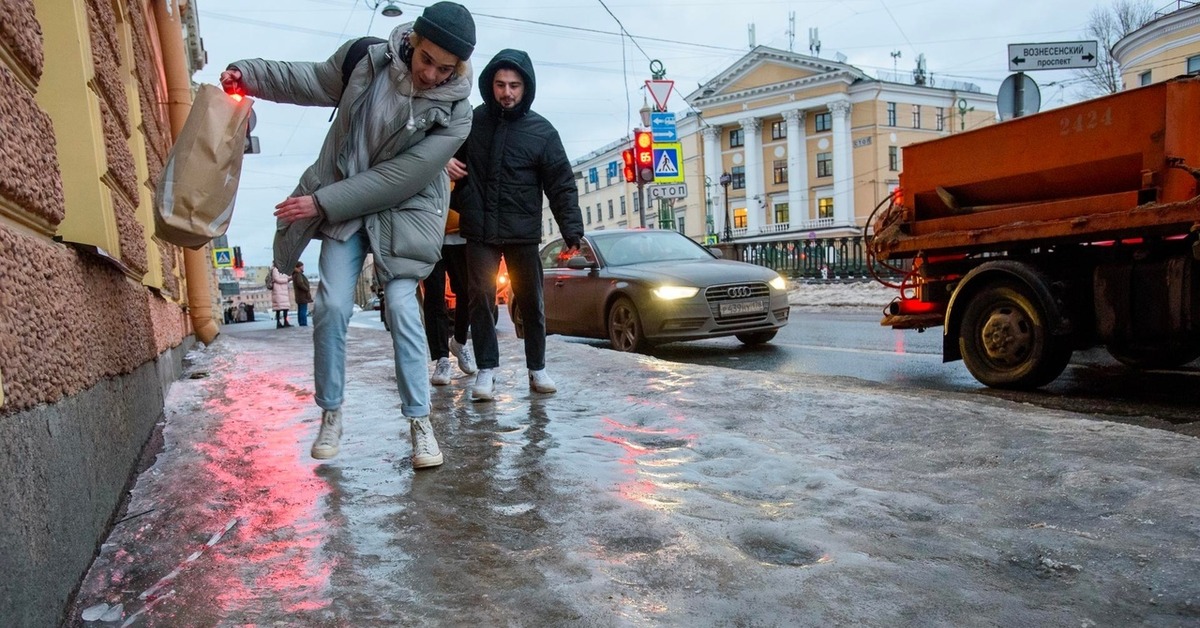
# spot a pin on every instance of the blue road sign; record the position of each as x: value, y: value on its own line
x: 593, y: 176
x: 667, y: 160
x: 662, y: 126
x: 613, y: 170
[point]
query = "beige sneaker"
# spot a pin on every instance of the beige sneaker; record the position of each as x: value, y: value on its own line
x: 539, y: 381
x: 441, y: 372
x: 466, y: 357
x: 485, y: 385
x: 326, y: 445
x: 425, y: 450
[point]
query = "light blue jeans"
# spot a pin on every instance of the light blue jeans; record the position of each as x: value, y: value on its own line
x: 340, y: 266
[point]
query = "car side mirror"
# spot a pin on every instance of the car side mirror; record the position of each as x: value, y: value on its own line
x: 717, y: 253
x: 579, y: 262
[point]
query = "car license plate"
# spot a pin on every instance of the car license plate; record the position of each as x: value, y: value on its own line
x: 739, y: 308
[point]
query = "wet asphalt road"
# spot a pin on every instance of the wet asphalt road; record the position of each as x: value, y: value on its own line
x: 645, y: 492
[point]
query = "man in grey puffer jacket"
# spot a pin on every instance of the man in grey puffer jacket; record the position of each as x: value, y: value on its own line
x: 377, y: 186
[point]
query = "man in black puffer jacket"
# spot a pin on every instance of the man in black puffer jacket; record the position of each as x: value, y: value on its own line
x: 511, y: 158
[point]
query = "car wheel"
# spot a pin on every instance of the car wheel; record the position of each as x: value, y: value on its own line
x: 757, y: 337
x: 1005, y: 339
x: 625, y: 327
x: 514, y: 313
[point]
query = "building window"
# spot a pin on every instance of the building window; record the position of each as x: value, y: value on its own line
x: 736, y: 138
x: 779, y: 130
x: 739, y: 218
x: 589, y: 215
x: 893, y: 158
x: 739, y: 177
x: 1144, y: 78
x: 780, y: 171
x: 941, y: 119
x: 610, y: 209
x: 825, y: 208
x: 824, y: 164
x: 549, y: 225
x: 622, y: 205
x: 823, y: 121
x: 1193, y: 65
x: 679, y: 218
x: 891, y: 113
x: 916, y: 116
x: 781, y: 213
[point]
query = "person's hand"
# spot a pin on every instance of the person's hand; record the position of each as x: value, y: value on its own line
x: 297, y: 208
x: 231, y: 81
x: 456, y: 169
x: 572, y: 243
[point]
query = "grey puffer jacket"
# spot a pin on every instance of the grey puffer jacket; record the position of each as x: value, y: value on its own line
x: 404, y: 195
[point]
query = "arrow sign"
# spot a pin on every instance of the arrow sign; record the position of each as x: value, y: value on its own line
x: 662, y: 126
x: 1059, y: 55
x: 660, y: 90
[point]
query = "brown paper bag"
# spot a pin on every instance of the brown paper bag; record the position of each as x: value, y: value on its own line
x: 195, y: 196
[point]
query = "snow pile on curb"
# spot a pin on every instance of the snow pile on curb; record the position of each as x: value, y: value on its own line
x: 868, y: 294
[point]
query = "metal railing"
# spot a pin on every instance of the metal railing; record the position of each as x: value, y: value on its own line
x: 825, y: 259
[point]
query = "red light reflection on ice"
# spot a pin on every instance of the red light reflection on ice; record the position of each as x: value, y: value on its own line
x: 642, y: 487
x: 259, y: 471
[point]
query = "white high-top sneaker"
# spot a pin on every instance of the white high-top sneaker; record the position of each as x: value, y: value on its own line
x: 425, y: 450
x: 326, y: 445
x: 441, y: 372
x: 485, y: 385
x: 466, y: 358
x: 539, y: 381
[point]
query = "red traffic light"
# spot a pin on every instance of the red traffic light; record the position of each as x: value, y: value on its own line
x: 629, y: 170
x: 643, y: 154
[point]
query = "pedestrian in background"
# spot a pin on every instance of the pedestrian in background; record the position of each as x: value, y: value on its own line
x: 446, y: 335
x: 303, y: 293
x: 281, y: 300
x: 512, y: 157
x: 377, y: 186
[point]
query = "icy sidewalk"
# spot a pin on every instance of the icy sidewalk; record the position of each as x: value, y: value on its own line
x: 644, y: 492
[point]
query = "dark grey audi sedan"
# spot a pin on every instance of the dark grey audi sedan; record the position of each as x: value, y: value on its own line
x: 642, y: 287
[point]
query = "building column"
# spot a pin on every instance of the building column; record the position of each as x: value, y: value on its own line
x: 797, y: 161
x: 752, y: 136
x: 843, y: 164
x: 713, y: 167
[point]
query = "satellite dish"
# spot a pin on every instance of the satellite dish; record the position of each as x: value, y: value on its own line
x: 1009, y: 105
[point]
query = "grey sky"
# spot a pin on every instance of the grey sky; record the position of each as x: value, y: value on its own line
x: 590, y: 78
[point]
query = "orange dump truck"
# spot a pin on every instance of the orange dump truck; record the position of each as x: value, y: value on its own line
x: 1068, y: 229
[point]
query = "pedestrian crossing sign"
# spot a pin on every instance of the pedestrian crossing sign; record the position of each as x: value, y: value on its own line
x: 668, y: 160
x: 222, y: 258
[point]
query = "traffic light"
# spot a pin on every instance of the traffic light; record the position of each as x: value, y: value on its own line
x: 629, y: 170
x: 643, y: 154
x: 237, y: 257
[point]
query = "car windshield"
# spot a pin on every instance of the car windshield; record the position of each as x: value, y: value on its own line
x: 636, y: 247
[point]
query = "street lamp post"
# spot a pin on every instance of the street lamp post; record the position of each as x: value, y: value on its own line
x: 725, y: 179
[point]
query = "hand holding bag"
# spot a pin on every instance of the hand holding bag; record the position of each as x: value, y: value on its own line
x: 195, y: 197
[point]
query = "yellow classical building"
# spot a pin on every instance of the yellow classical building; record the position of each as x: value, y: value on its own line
x: 1166, y: 47
x: 780, y: 146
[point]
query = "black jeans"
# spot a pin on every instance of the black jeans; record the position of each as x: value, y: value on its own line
x: 525, y: 277
x: 437, y: 319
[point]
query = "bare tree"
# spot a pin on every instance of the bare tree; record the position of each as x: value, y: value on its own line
x: 1107, y: 25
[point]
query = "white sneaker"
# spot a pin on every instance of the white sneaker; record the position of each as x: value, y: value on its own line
x: 485, y: 385
x: 425, y: 450
x: 466, y: 358
x: 441, y: 372
x: 539, y: 381
x: 326, y: 445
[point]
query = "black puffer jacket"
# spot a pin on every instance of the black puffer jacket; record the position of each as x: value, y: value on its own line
x: 512, y: 158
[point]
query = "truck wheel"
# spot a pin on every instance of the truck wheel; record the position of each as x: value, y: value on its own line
x: 625, y: 327
x: 1156, y: 357
x: 1005, y: 340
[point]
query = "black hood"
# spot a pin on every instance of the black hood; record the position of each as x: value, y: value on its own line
x: 512, y: 60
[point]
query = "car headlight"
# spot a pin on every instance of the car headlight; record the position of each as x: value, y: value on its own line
x: 671, y: 293
x: 778, y: 283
